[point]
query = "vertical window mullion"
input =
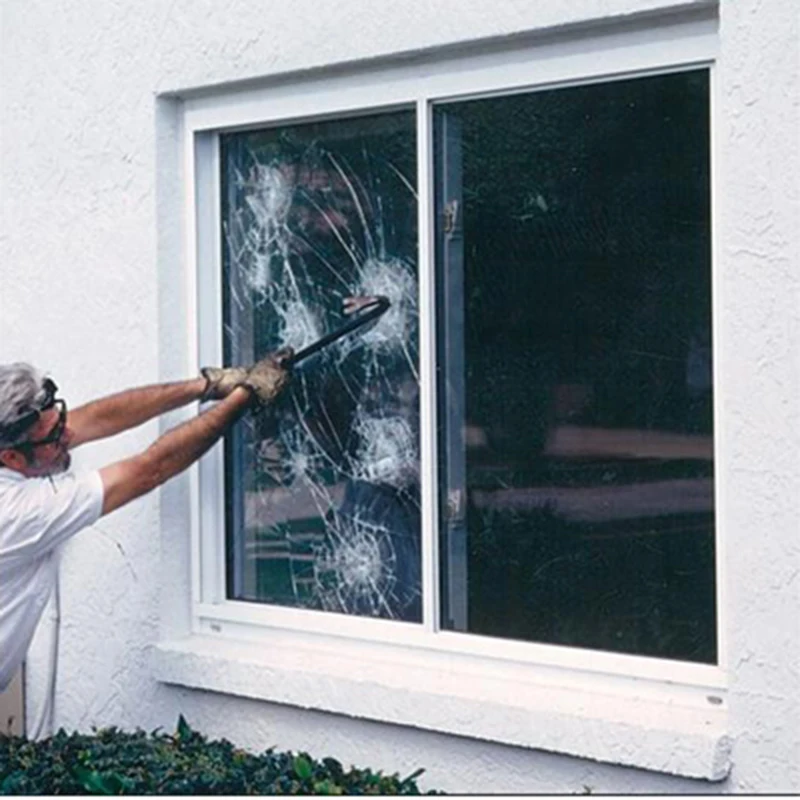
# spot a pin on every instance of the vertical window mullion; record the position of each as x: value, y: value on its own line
x: 195, y: 326
x: 449, y: 256
x: 427, y: 356
x: 209, y: 290
x: 233, y: 572
x: 716, y: 361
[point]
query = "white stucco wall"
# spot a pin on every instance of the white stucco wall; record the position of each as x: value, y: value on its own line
x: 84, y: 293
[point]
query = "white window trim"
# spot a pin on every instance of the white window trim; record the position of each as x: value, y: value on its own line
x: 651, y: 713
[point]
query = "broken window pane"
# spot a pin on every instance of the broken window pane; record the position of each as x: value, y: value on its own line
x: 322, y: 491
x: 575, y: 384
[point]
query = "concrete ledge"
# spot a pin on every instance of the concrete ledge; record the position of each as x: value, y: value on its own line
x: 654, y: 730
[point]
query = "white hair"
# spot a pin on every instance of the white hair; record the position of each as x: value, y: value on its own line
x: 21, y: 390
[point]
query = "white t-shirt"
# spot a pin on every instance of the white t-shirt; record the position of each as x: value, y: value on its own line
x: 36, y: 516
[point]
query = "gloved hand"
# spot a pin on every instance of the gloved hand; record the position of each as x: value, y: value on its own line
x: 268, y: 377
x: 221, y: 381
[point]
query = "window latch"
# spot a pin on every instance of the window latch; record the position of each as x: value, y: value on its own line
x: 450, y: 217
x: 455, y: 505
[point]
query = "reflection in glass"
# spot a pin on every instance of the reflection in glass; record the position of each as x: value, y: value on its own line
x: 576, y: 440
x: 323, y: 490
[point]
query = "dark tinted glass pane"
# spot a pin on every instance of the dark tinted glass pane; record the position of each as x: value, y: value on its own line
x: 323, y: 491
x: 576, y: 436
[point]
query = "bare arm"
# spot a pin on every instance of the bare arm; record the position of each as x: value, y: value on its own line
x: 171, y: 453
x: 119, y: 412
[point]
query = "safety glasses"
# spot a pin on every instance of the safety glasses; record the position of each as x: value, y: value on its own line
x: 56, y: 431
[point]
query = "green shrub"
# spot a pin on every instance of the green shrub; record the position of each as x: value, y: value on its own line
x: 115, y: 762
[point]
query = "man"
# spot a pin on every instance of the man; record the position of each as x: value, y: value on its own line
x: 42, y: 504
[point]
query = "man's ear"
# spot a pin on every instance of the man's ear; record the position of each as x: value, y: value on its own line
x: 13, y: 459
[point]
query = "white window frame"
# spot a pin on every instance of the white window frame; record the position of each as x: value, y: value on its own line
x: 523, y: 693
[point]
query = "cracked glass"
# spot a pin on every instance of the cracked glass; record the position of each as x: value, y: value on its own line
x: 322, y: 490
x: 576, y: 452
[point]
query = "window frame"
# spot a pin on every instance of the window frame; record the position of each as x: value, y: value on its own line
x: 584, y: 59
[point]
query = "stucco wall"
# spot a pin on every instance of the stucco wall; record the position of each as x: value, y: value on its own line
x: 84, y: 243
x: 760, y: 349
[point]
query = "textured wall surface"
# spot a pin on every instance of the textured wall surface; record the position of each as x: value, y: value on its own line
x: 759, y: 338
x: 89, y: 222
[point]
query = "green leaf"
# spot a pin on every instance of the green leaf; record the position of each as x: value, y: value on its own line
x: 302, y: 767
x: 95, y: 783
x: 184, y: 731
x: 415, y: 774
x: 6, y: 787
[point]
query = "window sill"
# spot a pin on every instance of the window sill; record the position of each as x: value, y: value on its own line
x: 663, y: 727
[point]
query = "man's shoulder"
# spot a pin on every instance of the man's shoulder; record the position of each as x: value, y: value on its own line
x: 17, y: 494
x: 17, y: 488
x: 10, y: 476
x: 11, y: 480
x: 36, y: 514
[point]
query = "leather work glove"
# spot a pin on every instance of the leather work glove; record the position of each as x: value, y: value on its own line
x: 268, y: 377
x: 221, y: 381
